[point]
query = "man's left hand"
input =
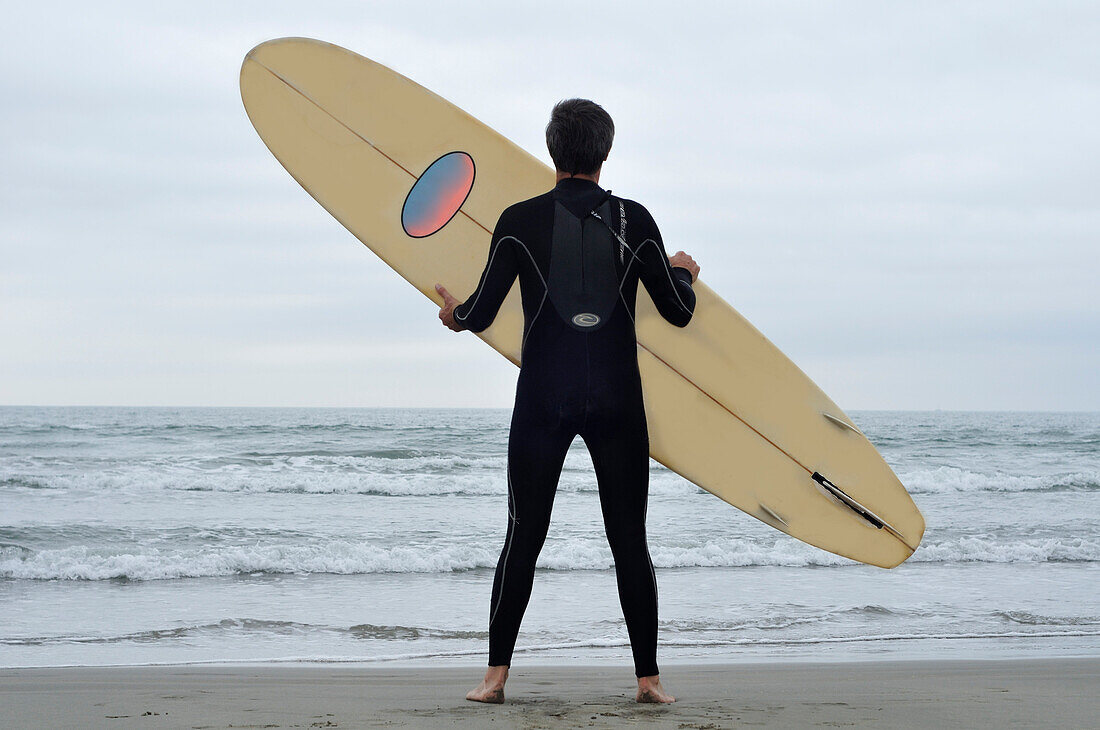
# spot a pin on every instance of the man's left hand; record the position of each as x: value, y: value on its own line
x: 446, y: 313
x: 687, y: 262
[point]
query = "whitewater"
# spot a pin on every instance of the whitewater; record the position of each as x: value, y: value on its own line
x: 161, y: 535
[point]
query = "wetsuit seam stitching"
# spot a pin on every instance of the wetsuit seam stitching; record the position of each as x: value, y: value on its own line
x: 534, y: 319
x: 508, y: 547
x: 645, y: 519
x: 481, y: 285
x: 668, y: 272
x: 621, y: 296
x: 531, y: 256
x: 545, y: 291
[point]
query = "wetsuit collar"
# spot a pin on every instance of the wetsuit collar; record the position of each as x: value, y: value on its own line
x: 579, y: 196
x: 575, y: 184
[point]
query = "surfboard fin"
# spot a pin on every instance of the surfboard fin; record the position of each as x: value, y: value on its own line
x: 841, y: 422
x: 772, y: 518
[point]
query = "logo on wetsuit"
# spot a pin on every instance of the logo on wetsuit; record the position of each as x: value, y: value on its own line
x: 583, y: 284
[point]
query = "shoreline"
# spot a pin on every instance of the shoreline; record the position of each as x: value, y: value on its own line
x: 889, y: 693
x: 458, y: 662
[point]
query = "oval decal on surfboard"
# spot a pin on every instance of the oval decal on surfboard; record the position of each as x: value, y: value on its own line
x: 438, y: 194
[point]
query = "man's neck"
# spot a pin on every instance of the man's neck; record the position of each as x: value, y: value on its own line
x: 565, y: 176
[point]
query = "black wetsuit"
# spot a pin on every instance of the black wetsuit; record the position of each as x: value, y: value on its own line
x: 578, y: 276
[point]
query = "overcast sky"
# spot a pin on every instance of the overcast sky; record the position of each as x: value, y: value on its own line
x: 902, y: 196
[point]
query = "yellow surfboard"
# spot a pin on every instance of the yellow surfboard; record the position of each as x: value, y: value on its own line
x: 421, y: 183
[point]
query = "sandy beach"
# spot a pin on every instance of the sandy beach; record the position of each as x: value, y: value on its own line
x: 918, y: 694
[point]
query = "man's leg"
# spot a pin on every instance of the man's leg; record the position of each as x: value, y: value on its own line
x: 619, y: 445
x: 536, y: 452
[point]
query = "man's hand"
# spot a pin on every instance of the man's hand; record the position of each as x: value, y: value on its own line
x: 682, y: 259
x: 446, y: 314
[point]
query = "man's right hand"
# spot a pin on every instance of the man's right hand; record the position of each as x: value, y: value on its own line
x: 446, y: 312
x: 682, y: 259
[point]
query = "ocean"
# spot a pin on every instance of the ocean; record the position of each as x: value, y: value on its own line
x: 178, y: 535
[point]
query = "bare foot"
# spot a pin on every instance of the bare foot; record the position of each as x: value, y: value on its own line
x: 491, y: 689
x: 650, y: 690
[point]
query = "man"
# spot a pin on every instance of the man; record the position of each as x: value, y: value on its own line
x: 579, y: 254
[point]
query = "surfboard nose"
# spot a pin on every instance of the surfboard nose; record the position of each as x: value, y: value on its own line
x: 277, y: 45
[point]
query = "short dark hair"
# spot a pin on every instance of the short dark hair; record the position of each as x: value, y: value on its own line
x: 579, y: 136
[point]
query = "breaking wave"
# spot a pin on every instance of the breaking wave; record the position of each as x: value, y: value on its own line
x: 347, y: 557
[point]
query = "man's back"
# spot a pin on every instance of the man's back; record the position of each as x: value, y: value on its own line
x: 569, y: 263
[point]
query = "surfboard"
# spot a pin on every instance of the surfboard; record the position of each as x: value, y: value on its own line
x: 421, y: 183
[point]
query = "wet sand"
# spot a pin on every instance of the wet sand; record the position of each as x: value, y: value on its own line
x: 919, y: 694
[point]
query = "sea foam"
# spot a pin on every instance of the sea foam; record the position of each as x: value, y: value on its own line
x: 346, y: 557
